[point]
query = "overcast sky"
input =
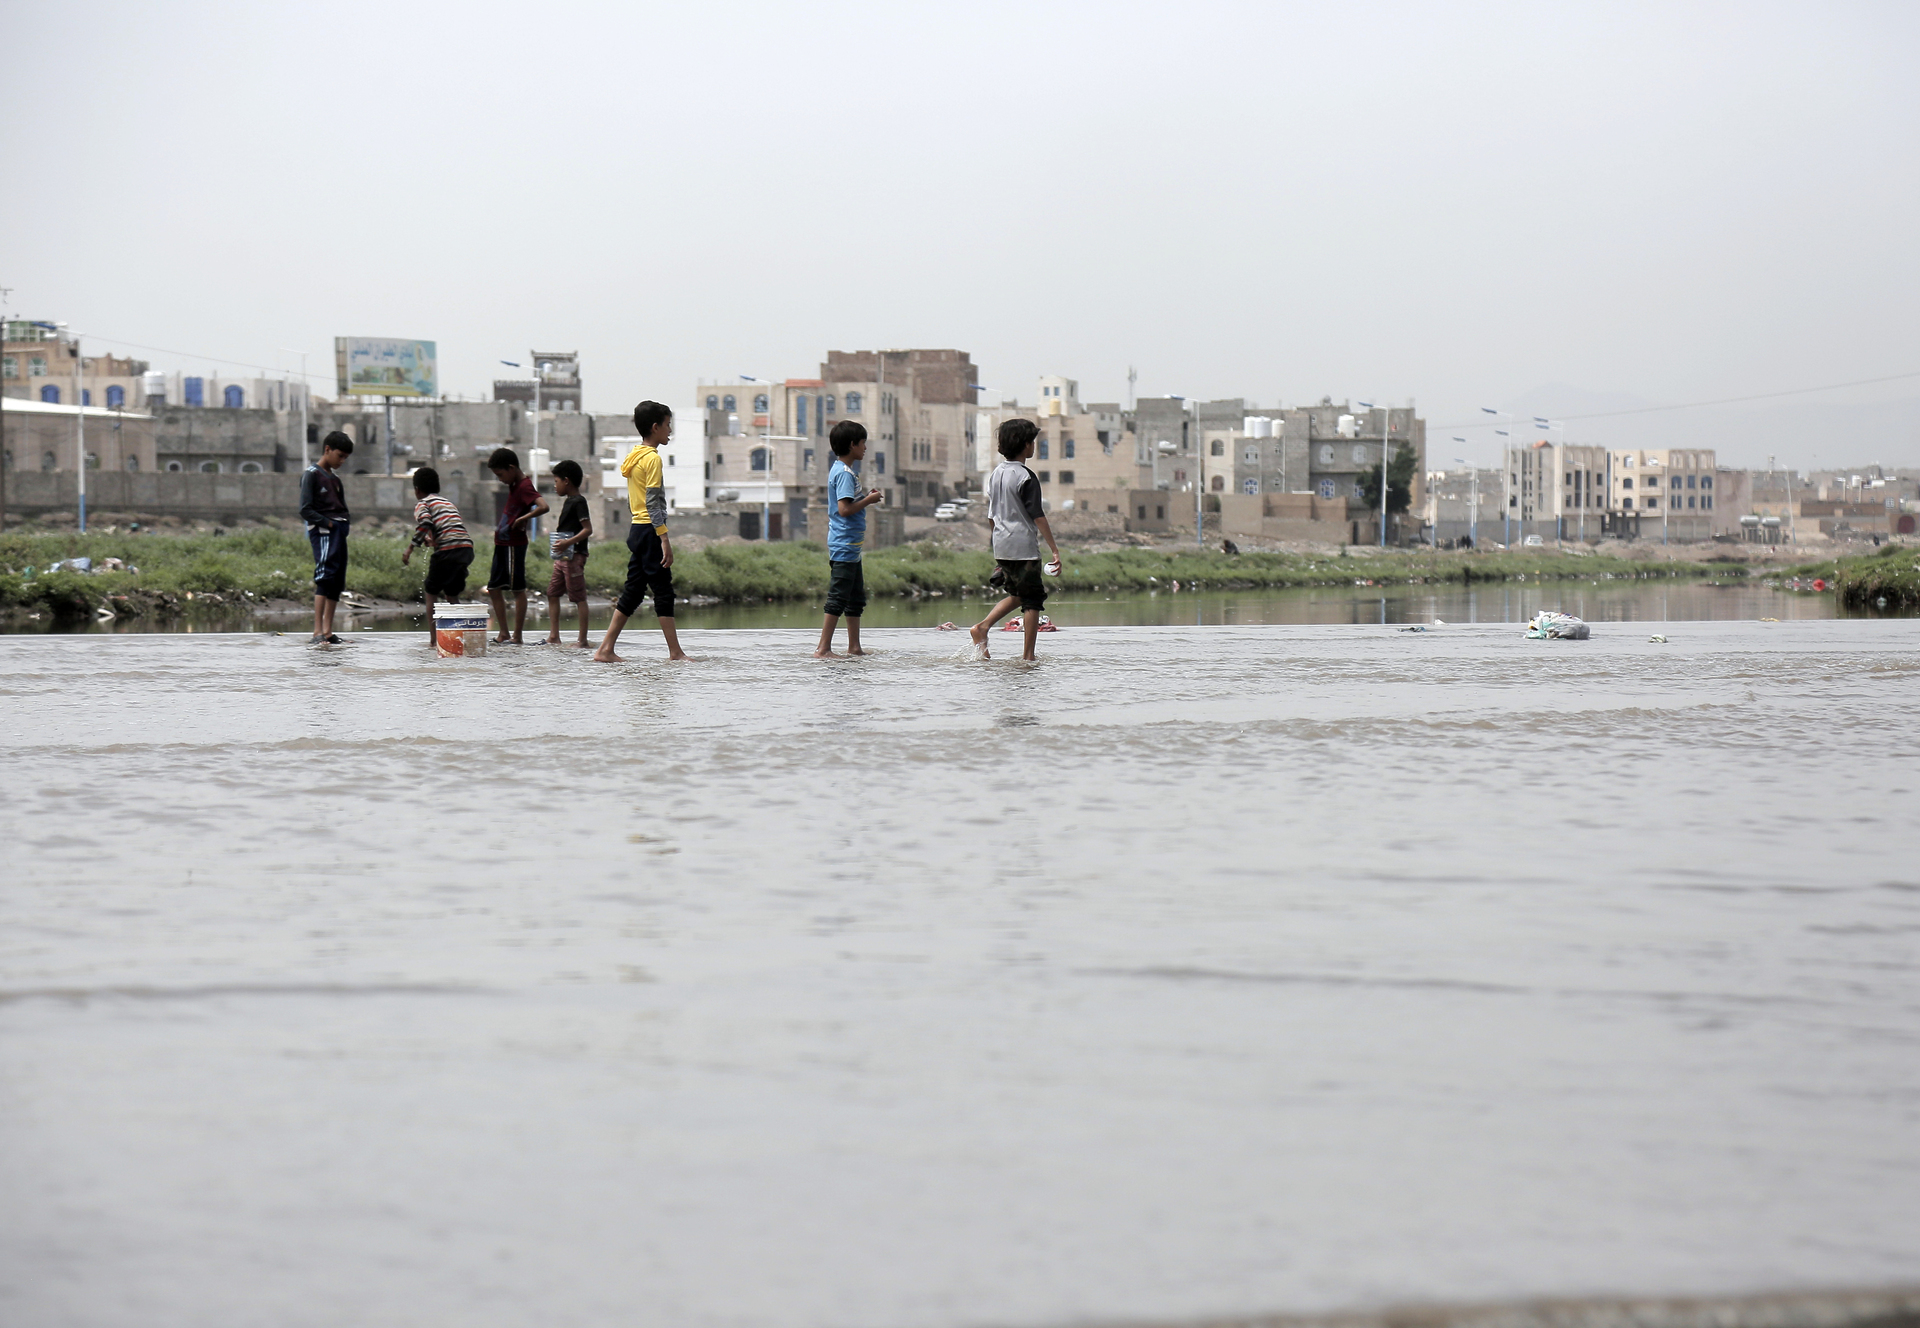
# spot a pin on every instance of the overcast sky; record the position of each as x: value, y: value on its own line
x: 1539, y: 206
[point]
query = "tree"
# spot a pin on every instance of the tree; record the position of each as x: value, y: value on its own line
x: 1399, y: 483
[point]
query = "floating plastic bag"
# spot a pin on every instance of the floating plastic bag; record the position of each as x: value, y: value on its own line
x: 1557, y: 627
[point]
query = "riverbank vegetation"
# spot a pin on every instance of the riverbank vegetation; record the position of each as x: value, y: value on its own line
x: 175, y: 574
x: 1887, y: 579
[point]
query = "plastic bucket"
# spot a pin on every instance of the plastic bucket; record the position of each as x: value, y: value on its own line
x: 460, y: 629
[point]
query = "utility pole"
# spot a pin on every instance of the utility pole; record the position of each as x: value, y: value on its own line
x: 80, y: 431
x: 6, y: 298
x: 304, y: 463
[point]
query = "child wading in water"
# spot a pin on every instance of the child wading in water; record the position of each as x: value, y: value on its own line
x: 1013, y: 503
x: 570, y: 535
x: 523, y: 503
x: 847, y: 505
x: 323, y: 506
x: 437, y: 522
x: 649, y: 551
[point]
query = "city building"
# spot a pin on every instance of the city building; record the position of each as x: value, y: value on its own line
x: 1461, y: 503
x: 1665, y: 493
x: 556, y: 375
x: 158, y: 388
x: 929, y: 397
x: 45, y: 436
x: 765, y: 445
x: 38, y: 361
x: 1558, y: 491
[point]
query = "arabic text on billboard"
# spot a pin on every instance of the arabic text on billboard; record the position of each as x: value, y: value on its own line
x: 385, y: 367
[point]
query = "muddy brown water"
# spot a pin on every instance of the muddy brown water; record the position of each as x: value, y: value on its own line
x: 1192, y: 972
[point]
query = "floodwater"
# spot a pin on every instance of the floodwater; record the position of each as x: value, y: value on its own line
x: 1189, y: 972
x: 1596, y: 601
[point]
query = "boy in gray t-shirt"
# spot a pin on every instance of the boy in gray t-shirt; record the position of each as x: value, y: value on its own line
x: 1013, y: 503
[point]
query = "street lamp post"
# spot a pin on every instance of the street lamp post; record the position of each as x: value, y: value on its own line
x: 1386, y: 442
x: 80, y: 431
x: 533, y: 446
x: 1559, y: 525
x: 1162, y: 448
x: 1665, y: 496
x: 766, y: 443
x: 303, y: 404
x: 1473, y: 509
x: 1506, y: 468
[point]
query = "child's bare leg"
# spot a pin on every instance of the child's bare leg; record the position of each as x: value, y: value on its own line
x: 553, y: 621
x: 582, y: 642
x: 605, y: 653
x: 1031, y: 626
x: 825, y: 648
x: 853, y: 637
x: 333, y: 607
x: 673, y: 639
x: 519, y: 616
x: 980, y: 629
x: 432, y: 638
x: 499, y: 598
x: 319, y: 617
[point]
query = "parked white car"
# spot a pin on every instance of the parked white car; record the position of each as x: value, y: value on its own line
x: 946, y: 512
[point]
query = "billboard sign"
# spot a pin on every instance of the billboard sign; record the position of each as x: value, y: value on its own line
x: 385, y: 367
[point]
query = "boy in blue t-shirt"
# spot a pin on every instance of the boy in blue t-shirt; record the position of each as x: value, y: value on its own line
x: 847, y: 504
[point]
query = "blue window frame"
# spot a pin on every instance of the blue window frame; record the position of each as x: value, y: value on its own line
x: 713, y: 403
x: 853, y: 403
x: 829, y: 406
x: 731, y: 403
x: 86, y: 396
x: 760, y: 403
x: 806, y: 458
x: 1043, y: 449
x: 800, y: 416
x: 758, y: 460
x: 116, y: 397
x: 233, y: 398
x: 1066, y: 449
x: 50, y: 393
x: 1326, y: 488
x: 195, y: 391
x: 879, y: 463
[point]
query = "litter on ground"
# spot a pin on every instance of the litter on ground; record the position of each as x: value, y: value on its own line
x: 1557, y: 627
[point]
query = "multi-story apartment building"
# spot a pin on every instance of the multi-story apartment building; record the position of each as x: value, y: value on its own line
x: 1325, y: 450
x: 556, y: 373
x: 1086, y: 454
x: 1558, y: 490
x: 38, y: 362
x: 1669, y: 491
x: 934, y: 397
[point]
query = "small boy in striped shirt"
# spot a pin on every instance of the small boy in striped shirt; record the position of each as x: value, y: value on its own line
x: 437, y: 522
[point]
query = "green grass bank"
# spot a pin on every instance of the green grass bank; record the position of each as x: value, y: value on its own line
x: 179, y: 573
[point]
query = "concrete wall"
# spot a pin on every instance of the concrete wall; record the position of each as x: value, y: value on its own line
x: 198, y: 497
x: 1280, y: 516
x: 189, y: 438
x: 30, y: 437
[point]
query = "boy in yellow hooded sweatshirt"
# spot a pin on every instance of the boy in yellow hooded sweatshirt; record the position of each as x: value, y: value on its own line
x: 650, y: 552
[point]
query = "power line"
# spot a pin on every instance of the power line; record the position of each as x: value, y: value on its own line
x: 1722, y: 401
x: 214, y: 359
